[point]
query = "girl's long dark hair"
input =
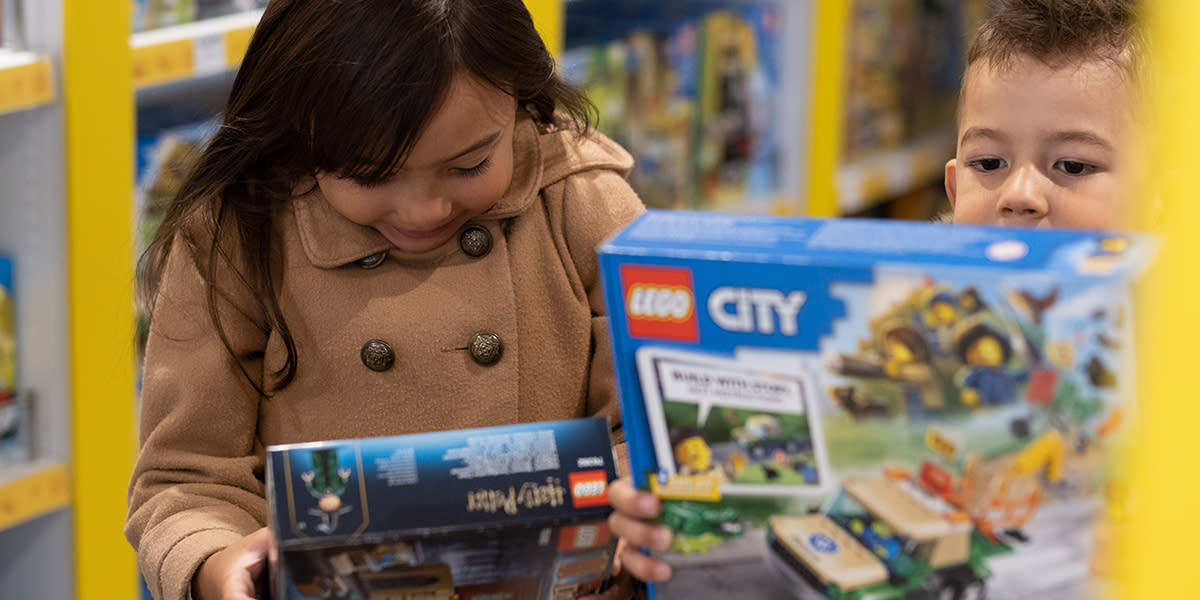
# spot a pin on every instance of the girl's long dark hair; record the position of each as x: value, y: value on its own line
x: 346, y: 87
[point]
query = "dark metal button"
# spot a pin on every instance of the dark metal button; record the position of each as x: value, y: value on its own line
x: 475, y: 241
x: 377, y: 355
x: 486, y: 348
x: 372, y: 261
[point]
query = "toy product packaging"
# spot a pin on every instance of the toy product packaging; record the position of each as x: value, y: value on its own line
x: 853, y: 409
x: 14, y: 408
x: 503, y: 513
x: 691, y: 88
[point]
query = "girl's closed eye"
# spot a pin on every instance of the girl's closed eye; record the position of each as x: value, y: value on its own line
x: 987, y: 164
x: 476, y: 170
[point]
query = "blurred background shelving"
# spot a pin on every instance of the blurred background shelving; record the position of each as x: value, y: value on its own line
x: 764, y: 106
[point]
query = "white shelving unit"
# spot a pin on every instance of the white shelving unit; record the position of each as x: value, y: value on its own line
x: 37, y: 534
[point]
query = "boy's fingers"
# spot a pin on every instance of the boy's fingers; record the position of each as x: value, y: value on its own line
x: 643, y: 567
x: 629, y: 501
x: 638, y: 533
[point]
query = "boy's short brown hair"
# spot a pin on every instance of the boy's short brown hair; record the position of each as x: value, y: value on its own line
x: 1059, y: 32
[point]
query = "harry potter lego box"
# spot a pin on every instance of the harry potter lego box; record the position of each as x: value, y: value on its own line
x: 862, y: 409
x: 504, y: 513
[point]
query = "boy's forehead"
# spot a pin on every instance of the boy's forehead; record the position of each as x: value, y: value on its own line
x: 1022, y: 74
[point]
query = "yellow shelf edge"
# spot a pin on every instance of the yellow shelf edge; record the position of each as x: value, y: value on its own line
x: 191, y: 50
x: 32, y: 490
x: 26, y: 81
x: 863, y: 183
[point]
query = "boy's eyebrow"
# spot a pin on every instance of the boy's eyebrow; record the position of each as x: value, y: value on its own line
x: 983, y: 132
x: 1081, y: 137
x: 483, y: 143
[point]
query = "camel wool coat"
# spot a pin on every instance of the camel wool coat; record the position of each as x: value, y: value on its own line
x: 198, y: 482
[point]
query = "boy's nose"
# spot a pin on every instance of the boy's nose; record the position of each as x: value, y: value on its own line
x: 1023, y: 199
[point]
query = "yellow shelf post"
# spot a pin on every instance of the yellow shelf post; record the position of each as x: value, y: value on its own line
x: 98, y: 102
x: 548, y: 16
x: 825, y: 134
x: 1156, y: 558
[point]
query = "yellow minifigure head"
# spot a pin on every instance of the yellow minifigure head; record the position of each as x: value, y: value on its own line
x: 942, y: 310
x: 983, y: 346
x: 693, y: 452
x: 904, y: 344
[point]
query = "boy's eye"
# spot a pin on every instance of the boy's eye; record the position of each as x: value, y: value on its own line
x: 1074, y: 167
x: 987, y: 164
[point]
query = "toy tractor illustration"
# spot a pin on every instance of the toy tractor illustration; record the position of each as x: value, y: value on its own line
x: 885, y: 538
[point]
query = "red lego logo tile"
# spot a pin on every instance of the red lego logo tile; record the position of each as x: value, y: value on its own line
x: 588, y: 488
x: 660, y: 303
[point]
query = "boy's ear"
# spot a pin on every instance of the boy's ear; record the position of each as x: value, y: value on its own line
x: 951, y: 183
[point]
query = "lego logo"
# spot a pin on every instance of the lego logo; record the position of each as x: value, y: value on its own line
x: 666, y: 303
x: 584, y: 489
x: 660, y: 302
x: 588, y: 488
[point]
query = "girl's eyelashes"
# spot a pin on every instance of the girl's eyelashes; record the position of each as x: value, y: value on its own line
x: 366, y: 181
x: 475, y: 170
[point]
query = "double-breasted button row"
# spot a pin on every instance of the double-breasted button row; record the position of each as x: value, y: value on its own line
x: 475, y: 241
x: 486, y: 349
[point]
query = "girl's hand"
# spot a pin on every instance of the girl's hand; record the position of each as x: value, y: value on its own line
x: 631, y: 508
x: 231, y: 574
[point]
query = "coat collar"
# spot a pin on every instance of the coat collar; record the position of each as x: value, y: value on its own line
x: 331, y: 240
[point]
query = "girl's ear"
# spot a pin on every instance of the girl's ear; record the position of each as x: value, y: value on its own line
x: 951, y: 183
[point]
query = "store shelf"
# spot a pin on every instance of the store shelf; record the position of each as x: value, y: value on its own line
x: 191, y: 50
x: 32, y: 490
x: 863, y: 183
x: 26, y: 81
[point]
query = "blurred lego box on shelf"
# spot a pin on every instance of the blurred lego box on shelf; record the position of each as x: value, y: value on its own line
x: 169, y: 143
x: 516, y: 511
x: 690, y: 91
x: 904, y: 64
x: 14, y: 406
x: 156, y: 14
x: 874, y: 409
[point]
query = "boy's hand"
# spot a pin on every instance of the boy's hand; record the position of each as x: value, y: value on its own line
x: 231, y: 574
x: 631, y: 509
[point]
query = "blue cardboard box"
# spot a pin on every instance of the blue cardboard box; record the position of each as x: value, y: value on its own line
x: 510, y: 512
x: 868, y: 409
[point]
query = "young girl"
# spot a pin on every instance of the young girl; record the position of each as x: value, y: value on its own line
x: 392, y: 232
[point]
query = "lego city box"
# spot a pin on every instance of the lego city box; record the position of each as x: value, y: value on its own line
x: 503, y: 513
x: 867, y: 409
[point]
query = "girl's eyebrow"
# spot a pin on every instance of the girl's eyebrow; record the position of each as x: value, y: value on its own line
x: 482, y: 143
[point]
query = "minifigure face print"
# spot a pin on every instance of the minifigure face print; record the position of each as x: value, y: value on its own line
x: 1043, y: 146
x: 459, y: 167
x: 694, y: 453
x: 987, y: 352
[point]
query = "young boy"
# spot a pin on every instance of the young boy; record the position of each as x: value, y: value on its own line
x: 1046, y: 138
x: 1046, y: 123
